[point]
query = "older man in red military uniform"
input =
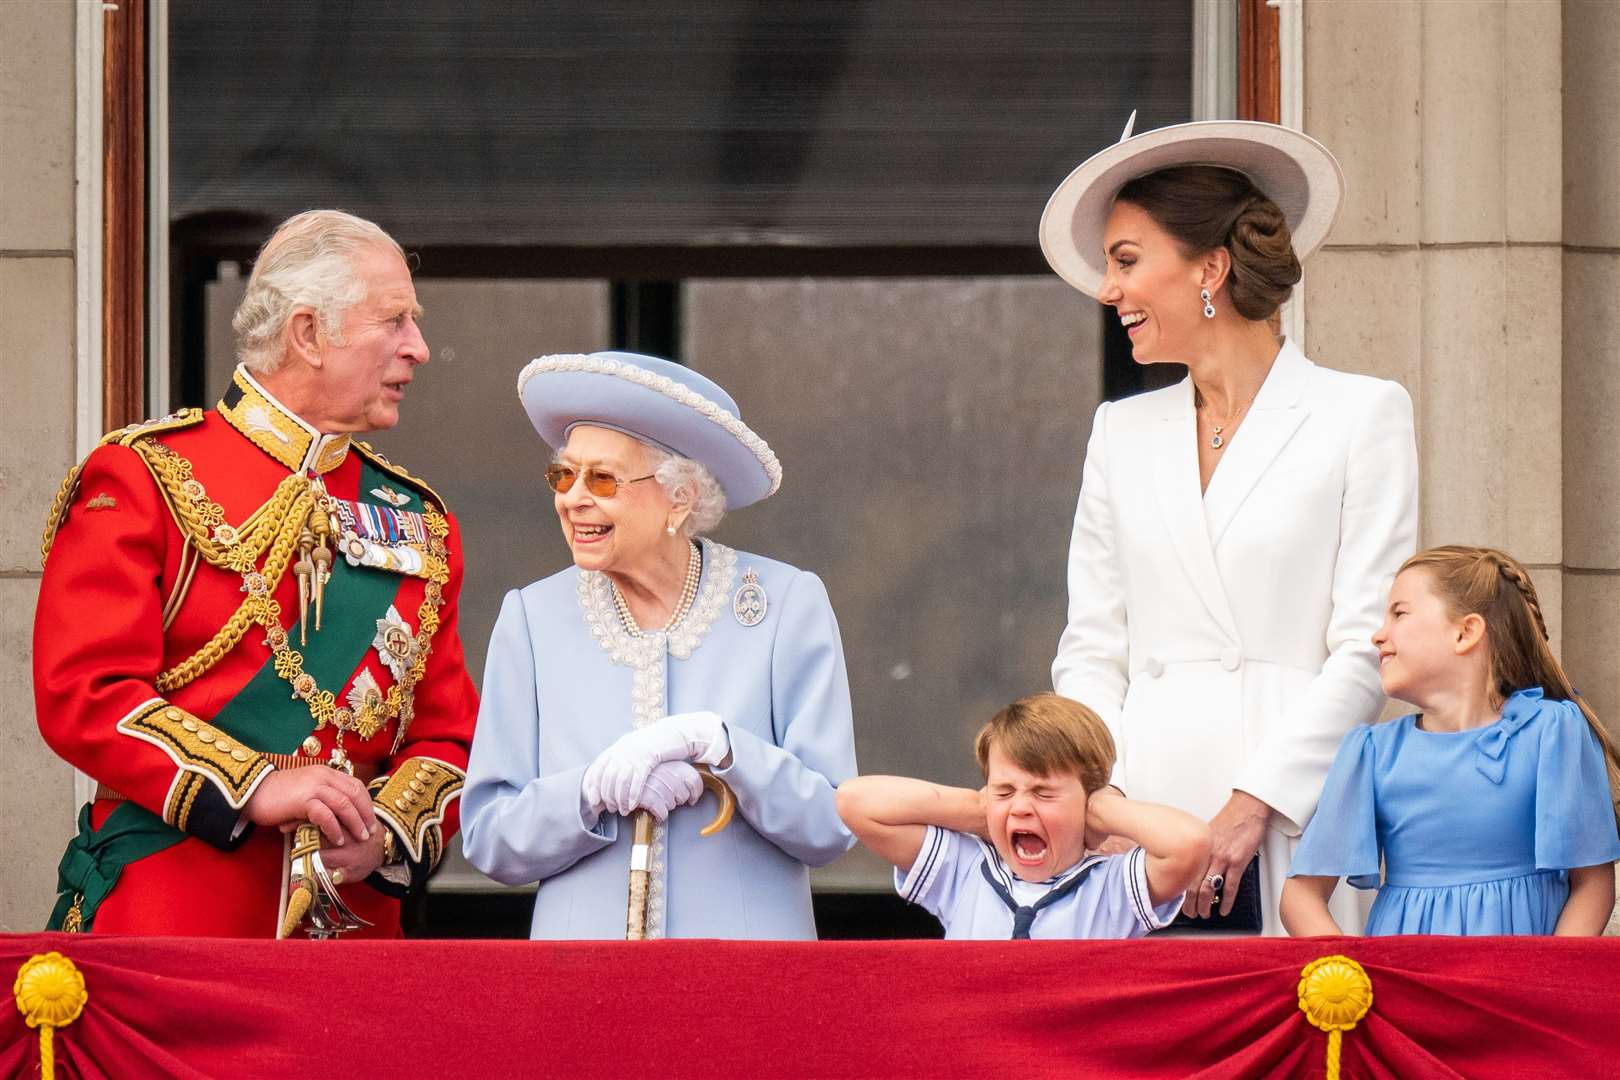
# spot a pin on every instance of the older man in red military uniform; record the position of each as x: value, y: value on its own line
x: 248, y: 623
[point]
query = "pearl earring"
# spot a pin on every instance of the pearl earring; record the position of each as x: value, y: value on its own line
x: 670, y: 529
x: 1209, y: 308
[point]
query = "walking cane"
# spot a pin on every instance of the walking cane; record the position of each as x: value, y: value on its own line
x: 641, y: 851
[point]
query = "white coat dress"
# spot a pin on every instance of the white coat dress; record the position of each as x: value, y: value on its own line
x: 1225, y: 637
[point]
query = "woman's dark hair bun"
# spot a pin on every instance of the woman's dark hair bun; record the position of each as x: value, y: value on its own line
x: 1204, y: 207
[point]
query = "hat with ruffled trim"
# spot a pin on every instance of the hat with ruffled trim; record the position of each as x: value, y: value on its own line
x: 657, y: 400
x: 1295, y: 171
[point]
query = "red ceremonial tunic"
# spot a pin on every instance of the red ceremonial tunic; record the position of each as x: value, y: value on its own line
x: 118, y: 561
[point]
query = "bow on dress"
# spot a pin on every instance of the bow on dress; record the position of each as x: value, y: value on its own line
x: 1490, y: 746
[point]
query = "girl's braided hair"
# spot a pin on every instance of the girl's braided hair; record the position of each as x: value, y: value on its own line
x: 1496, y: 586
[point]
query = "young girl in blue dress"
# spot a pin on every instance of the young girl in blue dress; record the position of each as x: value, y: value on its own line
x: 1493, y: 806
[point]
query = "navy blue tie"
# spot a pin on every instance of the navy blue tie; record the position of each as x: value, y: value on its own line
x: 1024, y: 914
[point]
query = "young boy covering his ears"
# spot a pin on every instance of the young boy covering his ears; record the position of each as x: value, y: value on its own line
x: 1009, y: 860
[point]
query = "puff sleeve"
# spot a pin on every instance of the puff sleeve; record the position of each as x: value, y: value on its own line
x: 1575, y: 824
x: 1342, y: 837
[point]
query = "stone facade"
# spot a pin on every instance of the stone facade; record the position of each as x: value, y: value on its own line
x: 1478, y: 262
x: 37, y: 369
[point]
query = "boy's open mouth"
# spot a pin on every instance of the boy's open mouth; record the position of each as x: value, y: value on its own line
x: 1028, y: 847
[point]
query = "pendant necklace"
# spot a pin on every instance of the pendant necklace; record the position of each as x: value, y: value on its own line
x: 1216, y: 440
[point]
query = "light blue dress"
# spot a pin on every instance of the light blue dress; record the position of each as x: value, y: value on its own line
x: 564, y: 679
x: 1478, y: 829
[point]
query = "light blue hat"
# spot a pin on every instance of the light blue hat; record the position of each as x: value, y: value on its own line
x: 662, y: 402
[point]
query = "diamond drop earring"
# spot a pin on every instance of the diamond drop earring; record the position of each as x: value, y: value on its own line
x: 1209, y: 308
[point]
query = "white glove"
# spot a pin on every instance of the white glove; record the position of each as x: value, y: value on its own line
x: 615, y: 779
x: 671, y: 784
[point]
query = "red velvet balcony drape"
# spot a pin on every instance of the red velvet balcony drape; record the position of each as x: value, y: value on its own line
x: 203, y: 1008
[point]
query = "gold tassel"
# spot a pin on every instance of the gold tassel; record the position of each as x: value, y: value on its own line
x: 297, y: 907
x: 320, y: 525
x: 304, y: 568
x: 323, y: 574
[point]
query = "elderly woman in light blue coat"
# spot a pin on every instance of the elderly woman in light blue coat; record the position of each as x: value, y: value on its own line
x: 607, y: 684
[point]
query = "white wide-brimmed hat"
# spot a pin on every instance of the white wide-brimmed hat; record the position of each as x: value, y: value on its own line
x: 660, y: 401
x: 1295, y: 171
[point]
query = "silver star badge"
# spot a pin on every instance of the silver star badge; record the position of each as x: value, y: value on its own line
x: 395, y: 643
x: 365, y: 694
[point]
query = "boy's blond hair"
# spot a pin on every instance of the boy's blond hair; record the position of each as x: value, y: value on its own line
x: 1045, y: 734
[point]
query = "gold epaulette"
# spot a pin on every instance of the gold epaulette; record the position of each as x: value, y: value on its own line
x: 373, y: 455
x: 124, y: 436
x: 146, y: 429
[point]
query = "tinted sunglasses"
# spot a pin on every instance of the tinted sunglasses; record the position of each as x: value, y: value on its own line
x: 604, y: 485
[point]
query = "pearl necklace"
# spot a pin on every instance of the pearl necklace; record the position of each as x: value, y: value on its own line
x: 689, y: 588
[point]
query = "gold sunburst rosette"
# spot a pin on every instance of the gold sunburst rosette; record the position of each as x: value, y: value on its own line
x: 50, y: 994
x: 1335, y: 992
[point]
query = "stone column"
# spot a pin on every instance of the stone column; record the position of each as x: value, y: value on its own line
x: 1591, y: 328
x: 37, y: 368
x: 1444, y: 269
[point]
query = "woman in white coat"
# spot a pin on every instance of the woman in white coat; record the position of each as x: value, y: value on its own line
x: 1236, y: 532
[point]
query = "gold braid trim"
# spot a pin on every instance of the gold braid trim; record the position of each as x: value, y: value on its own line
x: 412, y: 802
x: 274, y: 526
x: 201, y: 751
x: 64, y: 498
x: 273, y: 531
x: 202, y: 521
x: 136, y: 435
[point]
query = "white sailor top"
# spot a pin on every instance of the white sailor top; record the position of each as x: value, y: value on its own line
x: 564, y: 678
x: 963, y: 882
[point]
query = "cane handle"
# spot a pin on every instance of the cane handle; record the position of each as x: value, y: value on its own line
x: 728, y: 801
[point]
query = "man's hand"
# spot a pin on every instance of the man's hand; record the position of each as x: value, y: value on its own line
x: 333, y: 801
x: 354, y: 862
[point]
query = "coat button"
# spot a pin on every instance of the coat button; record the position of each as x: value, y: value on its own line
x: 1154, y: 667
x: 1231, y: 659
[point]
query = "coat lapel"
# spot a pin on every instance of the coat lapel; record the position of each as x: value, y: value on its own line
x: 1175, y: 482
x: 1273, y: 418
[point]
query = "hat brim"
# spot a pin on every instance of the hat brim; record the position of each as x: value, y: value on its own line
x: 1295, y: 171
x: 561, y: 392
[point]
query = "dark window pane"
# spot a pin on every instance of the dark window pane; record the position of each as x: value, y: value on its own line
x: 931, y: 433
x: 626, y: 123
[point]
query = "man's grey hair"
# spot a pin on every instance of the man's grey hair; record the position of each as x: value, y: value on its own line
x: 307, y: 262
